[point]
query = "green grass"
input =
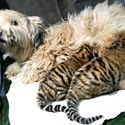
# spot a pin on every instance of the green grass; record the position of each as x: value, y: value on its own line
x: 119, y: 120
x: 4, y: 120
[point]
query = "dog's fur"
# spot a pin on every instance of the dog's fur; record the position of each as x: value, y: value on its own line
x: 19, y: 36
x: 98, y: 27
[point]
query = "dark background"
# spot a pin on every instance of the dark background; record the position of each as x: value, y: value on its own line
x: 51, y: 10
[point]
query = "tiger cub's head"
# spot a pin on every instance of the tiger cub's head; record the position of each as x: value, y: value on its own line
x: 113, y: 42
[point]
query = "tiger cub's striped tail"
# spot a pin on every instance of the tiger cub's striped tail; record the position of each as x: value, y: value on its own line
x: 73, y: 113
x: 56, y: 108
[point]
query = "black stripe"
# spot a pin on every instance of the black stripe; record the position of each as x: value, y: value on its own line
x: 70, y: 72
x: 48, y: 88
x: 88, y: 67
x: 64, y: 67
x: 90, y: 57
x: 62, y: 70
x: 78, y: 119
x: 76, y: 58
x: 112, y: 76
x: 50, y: 85
x: 63, y: 108
x: 90, y: 120
x: 86, y: 75
x: 83, y: 121
x: 95, y: 77
x: 75, y: 116
x: 120, y: 77
x: 72, y: 112
x: 60, y: 76
x: 88, y: 49
x: 49, y: 108
x: 103, y: 73
x: 104, y: 79
x: 98, y: 117
x: 80, y: 50
x: 68, y: 79
x: 83, y: 56
x: 40, y: 97
x: 72, y: 107
x: 111, y: 67
x: 41, y: 100
x: 56, y: 108
x: 95, y: 83
x: 101, y: 62
x: 93, y: 119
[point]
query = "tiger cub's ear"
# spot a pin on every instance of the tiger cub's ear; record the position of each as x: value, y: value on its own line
x: 119, y: 41
x: 116, y: 45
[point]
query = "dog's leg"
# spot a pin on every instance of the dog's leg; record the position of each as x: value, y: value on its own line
x: 12, y: 70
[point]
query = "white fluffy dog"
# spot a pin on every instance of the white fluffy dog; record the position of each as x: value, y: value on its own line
x: 19, y: 36
x: 98, y: 27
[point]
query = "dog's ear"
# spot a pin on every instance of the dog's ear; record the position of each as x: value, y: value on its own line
x: 38, y: 21
x: 37, y: 30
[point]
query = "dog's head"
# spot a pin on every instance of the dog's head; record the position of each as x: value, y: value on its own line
x: 20, y: 34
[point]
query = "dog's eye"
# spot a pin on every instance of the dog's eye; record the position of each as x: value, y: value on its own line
x: 14, y: 22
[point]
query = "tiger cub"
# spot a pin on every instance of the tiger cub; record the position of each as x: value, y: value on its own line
x: 102, y: 75
x: 55, y: 85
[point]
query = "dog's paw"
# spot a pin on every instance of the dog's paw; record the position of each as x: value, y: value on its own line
x: 12, y: 70
x: 31, y: 75
x: 121, y: 85
x: 30, y: 78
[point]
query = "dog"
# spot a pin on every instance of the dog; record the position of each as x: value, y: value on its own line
x: 98, y: 27
x: 20, y: 35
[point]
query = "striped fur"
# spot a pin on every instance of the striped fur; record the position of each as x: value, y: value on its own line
x: 54, y: 86
x: 100, y: 76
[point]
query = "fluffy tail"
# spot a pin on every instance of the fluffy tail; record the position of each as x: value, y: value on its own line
x: 73, y: 113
